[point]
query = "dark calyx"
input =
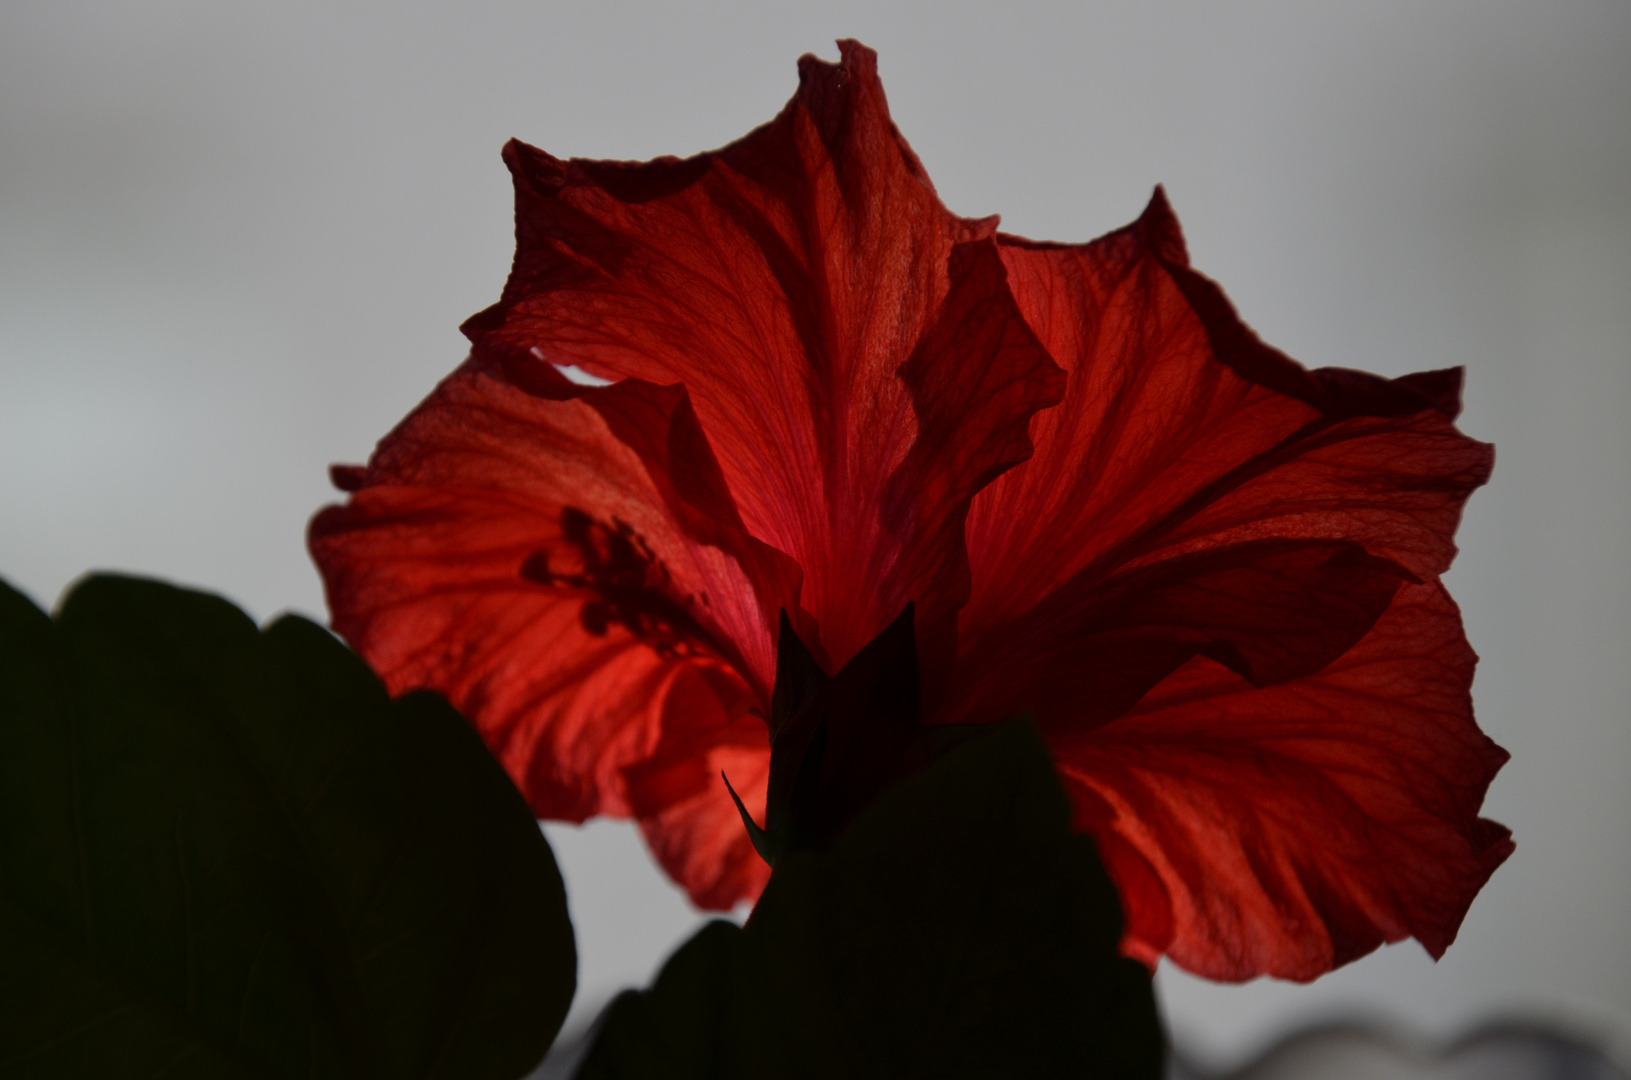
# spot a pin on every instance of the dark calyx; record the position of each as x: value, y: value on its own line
x: 839, y: 741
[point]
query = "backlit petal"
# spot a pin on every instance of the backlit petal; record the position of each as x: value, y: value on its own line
x: 686, y: 813
x: 1288, y: 829
x: 507, y: 548
x: 1269, y: 610
x: 1162, y: 446
x: 786, y: 280
x: 1201, y: 507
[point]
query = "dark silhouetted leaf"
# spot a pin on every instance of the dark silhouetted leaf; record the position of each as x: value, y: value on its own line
x: 227, y: 852
x: 957, y: 928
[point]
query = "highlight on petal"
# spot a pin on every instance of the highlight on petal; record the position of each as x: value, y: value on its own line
x: 562, y: 585
x: 678, y: 794
x: 1288, y: 829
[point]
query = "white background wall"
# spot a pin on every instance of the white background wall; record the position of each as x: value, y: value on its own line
x: 236, y: 242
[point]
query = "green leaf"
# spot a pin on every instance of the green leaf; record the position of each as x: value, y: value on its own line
x: 227, y: 852
x: 957, y: 928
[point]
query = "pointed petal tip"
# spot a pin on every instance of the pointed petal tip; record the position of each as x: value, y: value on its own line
x: 1498, y: 847
x: 855, y: 61
x: 857, y: 56
x: 1441, y: 387
x: 1158, y: 225
x: 527, y: 162
x: 348, y: 478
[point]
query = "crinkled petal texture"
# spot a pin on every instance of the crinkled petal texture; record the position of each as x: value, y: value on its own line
x: 850, y: 346
x: 1212, y: 575
x: 510, y: 546
x: 1215, y: 585
x: 1289, y: 829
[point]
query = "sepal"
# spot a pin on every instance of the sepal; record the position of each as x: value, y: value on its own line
x: 836, y: 741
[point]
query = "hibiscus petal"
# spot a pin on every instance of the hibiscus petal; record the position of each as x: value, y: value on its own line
x: 1180, y: 432
x: 785, y: 280
x: 977, y: 377
x: 1289, y: 829
x: 507, y: 548
x: 679, y: 794
x: 1269, y: 610
x: 1203, y: 510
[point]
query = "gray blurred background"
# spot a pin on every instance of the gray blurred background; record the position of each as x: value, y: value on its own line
x: 236, y: 242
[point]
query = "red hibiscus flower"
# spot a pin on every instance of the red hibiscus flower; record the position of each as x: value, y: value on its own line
x: 1209, y: 573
